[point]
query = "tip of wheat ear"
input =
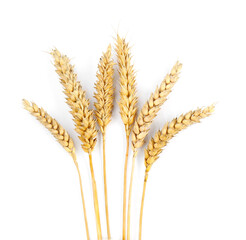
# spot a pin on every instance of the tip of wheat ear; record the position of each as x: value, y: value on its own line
x: 169, y: 130
x: 52, y: 125
x: 85, y: 124
x: 128, y: 94
x: 152, y: 106
x: 104, y: 90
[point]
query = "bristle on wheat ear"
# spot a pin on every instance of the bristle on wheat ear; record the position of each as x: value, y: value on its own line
x: 170, y: 129
x: 104, y: 94
x: 128, y: 94
x: 152, y: 106
x: 52, y: 125
x: 85, y: 125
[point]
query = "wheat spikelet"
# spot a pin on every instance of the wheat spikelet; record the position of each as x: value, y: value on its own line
x: 52, y: 125
x: 152, y: 106
x: 128, y: 97
x: 82, y: 115
x: 170, y: 129
x: 104, y: 90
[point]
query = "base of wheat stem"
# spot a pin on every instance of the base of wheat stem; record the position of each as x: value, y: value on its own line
x: 95, y: 196
x: 130, y: 196
x: 142, y: 205
x: 82, y: 196
x: 105, y: 187
x: 125, y: 187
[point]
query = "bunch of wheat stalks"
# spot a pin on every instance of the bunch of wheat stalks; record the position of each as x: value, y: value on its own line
x: 138, y: 127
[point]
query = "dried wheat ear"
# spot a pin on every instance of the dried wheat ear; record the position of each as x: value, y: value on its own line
x: 52, y: 125
x: 85, y: 124
x: 104, y: 94
x: 128, y: 93
x: 152, y: 106
x: 170, y: 129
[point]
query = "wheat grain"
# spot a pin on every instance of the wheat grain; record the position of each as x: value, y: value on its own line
x: 161, y: 138
x: 152, y: 106
x: 52, y: 125
x: 76, y: 99
x: 104, y: 90
x: 128, y: 96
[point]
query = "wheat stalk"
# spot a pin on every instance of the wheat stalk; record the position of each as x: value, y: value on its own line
x: 127, y: 104
x: 162, y: 137
x: 104, y: 96
x: 62, y: 137
x: 85, y: 125
x: 144, y: 120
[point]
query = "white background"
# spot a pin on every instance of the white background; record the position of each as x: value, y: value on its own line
x: 196, y: 190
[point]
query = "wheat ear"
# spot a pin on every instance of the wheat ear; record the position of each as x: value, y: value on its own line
x: 162, y: 137
x: 142, y: 124
x: 152, y: 107
x: 76, y: 99
x: 104, y: 96
x: 63, y: 138
x: 127, y: 103
x: 128, y: 94
x: 85, y: 125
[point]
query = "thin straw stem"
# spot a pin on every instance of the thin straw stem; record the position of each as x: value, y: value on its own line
x: 96, y: 205
x: 82, y: 196
x: 105, y: 187
x: 124, y: 190
x: 130, y: 196
x: 142, y: 205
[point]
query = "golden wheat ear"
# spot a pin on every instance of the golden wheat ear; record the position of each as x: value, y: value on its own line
x: 128, y: 93
x: 152, y: 107
x: 85, y: 124
x: 104, y: 94
x: 169, y: 130
x: 52, y: 125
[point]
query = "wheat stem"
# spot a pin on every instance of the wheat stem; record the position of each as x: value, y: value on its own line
x: 162, y: 137
x: 125, y: 187
x: 95, y: 196
x: 127, y: 103
x: 130, y: 197
x: 82, y: 196
x: 62, y: 137
x: 104, y: 96
x: 105, y: 187
x: 142, y: 205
